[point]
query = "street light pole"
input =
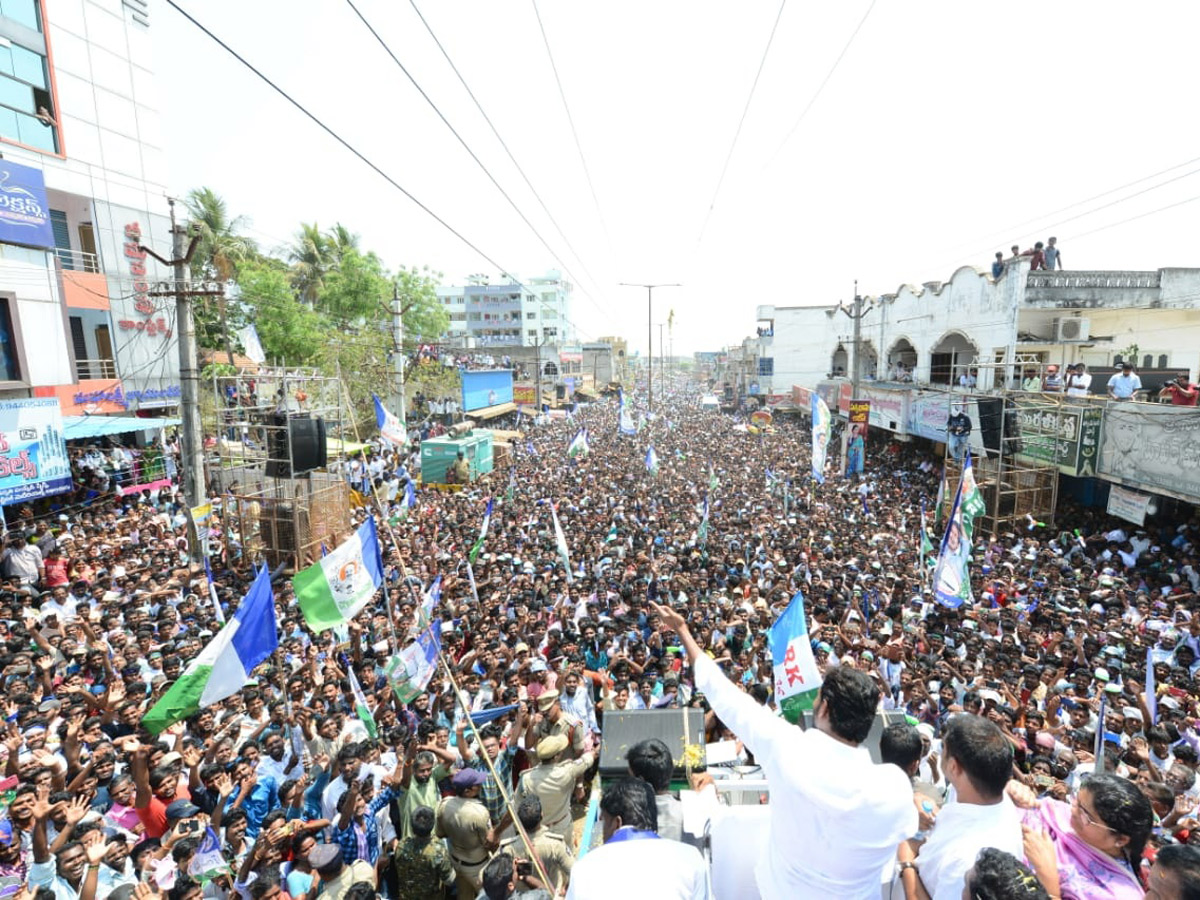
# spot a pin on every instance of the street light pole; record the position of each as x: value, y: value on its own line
x: 649, y: 335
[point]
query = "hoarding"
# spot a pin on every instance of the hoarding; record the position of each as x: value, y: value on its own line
x: 486, y: 387
x: 1153, y: 447
x: 1068, y: 436
x: 24, y: 211
x: 33, y: 451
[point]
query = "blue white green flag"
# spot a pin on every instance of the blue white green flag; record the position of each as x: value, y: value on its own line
x: 951, y: 576
x: 579, y: 444
x: 360, y: 704
x: 822, y: 424
x: 797, y: 678
x: 333, y: 590
x: 483, y: 530
x: 560, y: 543
x: 652, y: 461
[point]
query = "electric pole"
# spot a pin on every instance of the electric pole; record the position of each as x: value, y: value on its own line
x: 397, y: 399
x: 662, y: 359
x: 855, y: 362
x: 192, y: 441
x: 649, y: 336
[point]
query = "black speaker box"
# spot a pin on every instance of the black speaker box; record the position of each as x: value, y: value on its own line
x: 623, y: 729
x: 309, y: 450
x: 882, y: 721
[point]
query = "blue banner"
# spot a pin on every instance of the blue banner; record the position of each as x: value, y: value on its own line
x: 24, y: 212
x: 487, y: 387
x: 33, y: 451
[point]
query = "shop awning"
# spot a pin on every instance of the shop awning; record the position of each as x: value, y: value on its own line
x: 79, y: 428
x: 491, y: 412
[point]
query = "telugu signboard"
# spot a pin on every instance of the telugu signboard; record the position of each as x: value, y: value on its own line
x: 24, y: 212
x: 33, y: 451
x: 1153, y: 447
x: 1067, y: 436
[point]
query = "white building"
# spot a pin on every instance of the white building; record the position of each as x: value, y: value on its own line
x: 84, y: 175
x: 511, y: 312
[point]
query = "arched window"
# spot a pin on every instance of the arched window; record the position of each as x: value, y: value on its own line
x: 1162, y: 361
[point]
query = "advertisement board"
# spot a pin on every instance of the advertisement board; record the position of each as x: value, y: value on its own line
x: 1128, y: 505
x: 802, y: 397
x: 889, y: 409
x: 1153, y: 447
x: 486, y: 387
x: 856, y: 436
x: 24, y: 211
x: 1068, y: 436
x: 524, y: 392
x: 33, y: 451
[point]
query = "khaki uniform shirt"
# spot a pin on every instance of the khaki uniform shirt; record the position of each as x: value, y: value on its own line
x: 570, y: 728
x: 551, y: 849
x: 554, y: 785
x: 464, y: 823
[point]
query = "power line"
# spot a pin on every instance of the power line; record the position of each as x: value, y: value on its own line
x: 1138, y: 216
x: 341, y: 140
x: 467, y: 147
x: 571, y: 121
x: 742, y: 121
x: 824, y: 81
x: 511, y: 157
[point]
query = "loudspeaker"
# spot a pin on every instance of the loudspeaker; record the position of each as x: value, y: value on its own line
x: 991, y: 410
x: 882, y: 721
x: 305, y: 435
x: 624, y: 728
x: 309, y: 450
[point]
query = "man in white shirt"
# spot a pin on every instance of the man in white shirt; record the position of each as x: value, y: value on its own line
x: 978, y: 763
x: 634, y: 860
x: 1079, y: 382
x: 836, y: 817
x: 1124, y: 384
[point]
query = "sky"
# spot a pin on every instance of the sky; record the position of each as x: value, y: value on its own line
x: 886, y: 142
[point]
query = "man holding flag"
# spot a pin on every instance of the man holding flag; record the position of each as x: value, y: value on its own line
x: 836, y: 817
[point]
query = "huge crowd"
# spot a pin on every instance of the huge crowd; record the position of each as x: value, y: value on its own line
x: 991, y: 786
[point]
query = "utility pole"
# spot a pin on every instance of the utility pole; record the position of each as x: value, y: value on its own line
x: 194, y: 487
x: 649, y: 336
x: 855, y: 362
x: 662, y: 359
x: 397, y: 399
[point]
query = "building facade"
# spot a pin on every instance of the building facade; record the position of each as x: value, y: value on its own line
x: 82, y: 189
x: 508, y: 313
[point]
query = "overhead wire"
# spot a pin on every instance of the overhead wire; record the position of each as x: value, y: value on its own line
x: 824, y: 82
x: 742, y: 121
x: 504, y: 145
x: 571, y: 121
x: 344, y: 143
x: 387, y: 49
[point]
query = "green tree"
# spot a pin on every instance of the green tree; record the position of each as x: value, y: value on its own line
x: 424, y: 315
x: 222, y: 248
x: 356, y: 290
x: 288, y: 329
x: 311, y: 258
x: 341, y: 240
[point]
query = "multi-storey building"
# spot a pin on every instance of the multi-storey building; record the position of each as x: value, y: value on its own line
x: 82, y: 188
x: 509, y: 313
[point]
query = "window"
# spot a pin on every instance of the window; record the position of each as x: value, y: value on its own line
x: 25, y: 81
x: 533, y: 332
x: 10, y: 366
x: 1117, y: 360
x: 1163, y: 361
x: 91, y: 341
x: 1148, y: 361
x: 531, y: 315
x: 766, y: 365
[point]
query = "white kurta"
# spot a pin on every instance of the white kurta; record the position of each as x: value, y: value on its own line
x: 836, y: 817
x: 662, y: 869
x: 962, y: 830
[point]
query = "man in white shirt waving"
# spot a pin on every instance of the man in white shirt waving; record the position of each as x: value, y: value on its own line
x: 836, y: 817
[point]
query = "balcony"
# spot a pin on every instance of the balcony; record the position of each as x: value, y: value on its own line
x: 94, y: 369
x: 77, y: 260
x: 84, y: 285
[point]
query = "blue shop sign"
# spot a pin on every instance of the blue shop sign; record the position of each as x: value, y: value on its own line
x: 24, y: 212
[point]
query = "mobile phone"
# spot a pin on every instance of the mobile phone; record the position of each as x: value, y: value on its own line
x: 524, y: 868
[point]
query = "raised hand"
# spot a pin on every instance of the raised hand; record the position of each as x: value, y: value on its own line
x: 77, y: 808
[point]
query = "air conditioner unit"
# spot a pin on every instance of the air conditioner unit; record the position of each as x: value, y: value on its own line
x: 1072, y: 329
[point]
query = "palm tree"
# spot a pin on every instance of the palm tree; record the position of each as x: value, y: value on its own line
x: 221, y: 247
x: 340, y: 241
x: 311, y: 256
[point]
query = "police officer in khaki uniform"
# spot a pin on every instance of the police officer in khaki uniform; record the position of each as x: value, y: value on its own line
x: 553, y: 783
x: 550, y: 848
x: 550, y: 720
x: 464, y: 821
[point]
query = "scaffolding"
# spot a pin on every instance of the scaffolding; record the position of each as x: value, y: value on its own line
x: 1022, y: 445
x: 276, y: 448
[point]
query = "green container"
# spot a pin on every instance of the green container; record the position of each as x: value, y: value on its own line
x: 439, y: 454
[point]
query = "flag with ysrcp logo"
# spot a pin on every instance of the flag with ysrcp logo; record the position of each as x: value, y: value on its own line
x: 410, y: 671
x: 333, y: 590
x: 360, y: 704
x: 797, y: 679
x: 390, y: 427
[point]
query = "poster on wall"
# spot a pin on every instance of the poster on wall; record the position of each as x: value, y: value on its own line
x: 856, y: 436
x: 486, y: 387
x: 33, y: 451
x: 1153, y: 447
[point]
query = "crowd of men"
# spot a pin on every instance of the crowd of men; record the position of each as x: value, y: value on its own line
x: 991, y: 786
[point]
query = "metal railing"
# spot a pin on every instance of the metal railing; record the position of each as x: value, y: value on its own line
x: 77, y: 260
x: 89, y: 369
x: 1099, y: 279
